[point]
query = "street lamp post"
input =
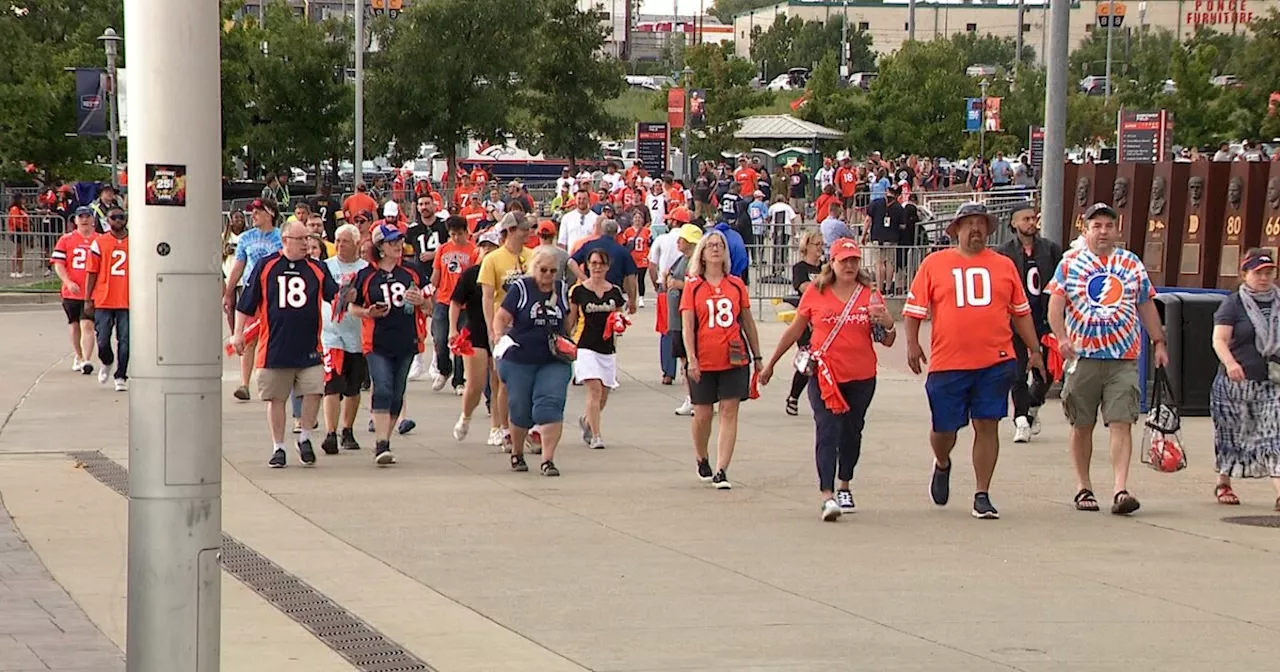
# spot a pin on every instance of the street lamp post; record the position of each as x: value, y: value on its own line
x: 687, y: 79
x: 359, y: 45
x: 1111, y: 21
x: 982, y: 121
x: 111, y: 42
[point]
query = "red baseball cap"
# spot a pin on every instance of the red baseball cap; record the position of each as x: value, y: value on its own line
x: 546, y: 226
x: 845, y: 248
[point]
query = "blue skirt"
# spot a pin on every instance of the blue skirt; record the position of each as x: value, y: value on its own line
x: 1246, y: 427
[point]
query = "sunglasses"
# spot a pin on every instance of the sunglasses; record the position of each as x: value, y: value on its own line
x: 118, y: 218
x: 597, y: 262
x: 546, y: 271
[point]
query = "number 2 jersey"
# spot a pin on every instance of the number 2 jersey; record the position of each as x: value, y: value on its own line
x: 109, y: 258
x: 397, y: 333
x: 971, y: 300
x: 72, y: 251
x: 286, y: 296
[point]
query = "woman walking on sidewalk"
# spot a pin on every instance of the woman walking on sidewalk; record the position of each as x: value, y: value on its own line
x: 847, y: 317
x: 1245, y: 398
x: 596, y: 302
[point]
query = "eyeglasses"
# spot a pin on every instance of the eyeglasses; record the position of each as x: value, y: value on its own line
x: 118, y: 218
x: 296, y: 237
x: 597, y: 262
x: 546, y: 271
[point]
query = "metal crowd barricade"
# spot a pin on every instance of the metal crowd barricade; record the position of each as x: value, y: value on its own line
x: 25, y: 253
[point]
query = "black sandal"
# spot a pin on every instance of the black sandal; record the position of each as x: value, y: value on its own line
x: 1086, y: 501
x: 793, y: 407
x: 1124, y: 503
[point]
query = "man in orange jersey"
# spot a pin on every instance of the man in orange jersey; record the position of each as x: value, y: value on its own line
x: 358, y: 202
x: 971, y: 293
x: 106, y: 290
x: 70, y: 259
x: 454, y: 256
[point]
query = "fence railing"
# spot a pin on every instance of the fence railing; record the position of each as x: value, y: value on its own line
x: 25, y: 249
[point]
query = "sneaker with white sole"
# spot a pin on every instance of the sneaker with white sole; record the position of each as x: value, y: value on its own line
x: 122, y: 385
x: 382, y: 455
x: 640, y: 302
x: 533, y: 442
x: 721, y: 481
x: 438, y: 382
x: 1035, y: 421
x: 86, y: 367
x: 596, y: 443
x: 415, y: 369
x: 104, y: 374
x: 844, y: 499
x: 458, y: 390
x: 586, y: 429
x: 507, y: 445
x: 461, y: 428
x: 75, y: 364
x: 830, y: 511
x: 495, y: 437
x: 1021, y: 430
x: 686, y: 409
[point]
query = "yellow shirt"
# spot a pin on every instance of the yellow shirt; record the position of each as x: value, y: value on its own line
x: 500, y: 268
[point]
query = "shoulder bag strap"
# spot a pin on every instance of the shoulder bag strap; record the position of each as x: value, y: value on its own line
x: 844, y: 316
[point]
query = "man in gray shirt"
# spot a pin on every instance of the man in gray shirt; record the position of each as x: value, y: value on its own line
x: 547, y: 237
x: 834, y: 228
x: 689, y: 235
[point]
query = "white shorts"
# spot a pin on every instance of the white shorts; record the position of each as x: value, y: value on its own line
x: 592, y: 365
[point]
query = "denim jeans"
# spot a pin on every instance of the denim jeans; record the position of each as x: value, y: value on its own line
x: 664, y: 355
x: 390, y: 377
x: 446, y: 363
x: 536, y: 393
x: 838, y: 443
x: 104, y: 319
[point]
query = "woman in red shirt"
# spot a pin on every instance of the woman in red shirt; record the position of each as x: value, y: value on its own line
x: 841, y: 300
x: 721, y: 343
x: 19, y: 225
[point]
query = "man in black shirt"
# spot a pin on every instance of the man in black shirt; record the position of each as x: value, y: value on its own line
x: 702, y: 192
x: 796, y: 183
x: 329, y: 209
x: 426, y: 234
x: 1037, y: 259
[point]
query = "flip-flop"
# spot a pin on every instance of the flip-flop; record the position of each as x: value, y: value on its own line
x: 1086, y: 501
x: 1225, y: 495
x: 1124, y: 503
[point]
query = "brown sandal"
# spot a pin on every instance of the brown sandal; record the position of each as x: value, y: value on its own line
x: 1226, y: 496
x: 1086, y: 501
x: 1124, y: 503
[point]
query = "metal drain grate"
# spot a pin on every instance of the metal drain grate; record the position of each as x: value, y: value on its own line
x: 1254, y: 521
x: 365, y: 648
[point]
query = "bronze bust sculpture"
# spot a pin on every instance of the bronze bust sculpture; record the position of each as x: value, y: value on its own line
x: 1120, y: 192
x: 1082, y: 192
x: 1195, y: 190
x: 1235, y: 192
x: 1158, y: 188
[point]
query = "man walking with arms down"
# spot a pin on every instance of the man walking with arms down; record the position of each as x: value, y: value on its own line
x: 1036, y: 259
x: 971, y: 294
x: 1096, y: 297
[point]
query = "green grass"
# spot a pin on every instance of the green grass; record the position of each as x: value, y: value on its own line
x: 48, y: 285
x: 638, y: 105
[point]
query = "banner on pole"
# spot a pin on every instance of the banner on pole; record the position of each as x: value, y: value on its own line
x: 92, y: 90
x: 697, y: 108
x: 675, y: 107
x: 992, y: 116
x: 973, y: 115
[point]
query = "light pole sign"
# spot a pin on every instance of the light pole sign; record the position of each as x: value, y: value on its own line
x: 1111, y: 14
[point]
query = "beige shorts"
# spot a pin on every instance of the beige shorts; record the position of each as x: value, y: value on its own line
x: 275, y: 384
x: 1107, y: 384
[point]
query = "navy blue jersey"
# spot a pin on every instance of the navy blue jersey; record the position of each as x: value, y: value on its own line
x: 286, y: 295
x: 396, y: 333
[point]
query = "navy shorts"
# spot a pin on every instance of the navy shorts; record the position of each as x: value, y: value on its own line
x: 955, y: 397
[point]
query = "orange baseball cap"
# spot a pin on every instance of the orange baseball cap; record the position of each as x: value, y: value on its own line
x: 546, y: 226
x: 845, y: 248
x: 681, y: 214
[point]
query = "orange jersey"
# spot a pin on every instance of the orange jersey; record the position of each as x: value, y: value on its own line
x: 846, y: 182
x: 852, y: 354
x: 716, y: 312
x: 637, y: 240
x: 451, y: 260
x: 675, y: 198
x: 72, y: 251
x: 357, y: 203
x: 746, y: 178
x: 464, y: 195
x: 479, y: 177
x: 473, y: 213
x: 971, y: 300
x: 109, y: 258
x: 823, y: 206
x: 17, y: 219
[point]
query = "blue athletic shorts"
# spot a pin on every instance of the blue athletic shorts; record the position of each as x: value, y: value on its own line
x: 981, y: 394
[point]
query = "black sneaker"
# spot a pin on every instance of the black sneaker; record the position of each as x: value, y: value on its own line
x: 330, y: 444
x: 940, y: 485
x: 406, y: 426
x: 982, y: 507
x: 349, y: 440
x: 721, y: 481
x: 549, y: 469
x: 307, y: 453
x: 278, y: 459
x: 844, y: 499
x: 518, y: 463
x: 382, y: 454
x: 704, y: 470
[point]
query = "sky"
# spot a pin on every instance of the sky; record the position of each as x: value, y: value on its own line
x: 686, y: 7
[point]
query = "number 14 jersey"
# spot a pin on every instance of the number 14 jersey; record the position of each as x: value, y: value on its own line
x: 971, y: 300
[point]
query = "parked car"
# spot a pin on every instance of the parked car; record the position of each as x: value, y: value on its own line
x: 1093, y: 85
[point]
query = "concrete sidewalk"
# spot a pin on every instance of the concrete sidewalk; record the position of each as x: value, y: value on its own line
x: 628, y: 562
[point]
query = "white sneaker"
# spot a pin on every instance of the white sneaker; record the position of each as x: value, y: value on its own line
x: 1021, y: 430
x: 506, y: 441
x: 533, y: 442
x: 830, y: 510
x: 1035, y: 421
x: 686, y: 409
x: 104, y: 374
x: 596, y: 443
x: 461, y: 428
x: 640, y: 302
x: 495, y: 437
x: 458, y: 390
x: 438, y: 382
x: 415, y: 369
x: 122, y: 385
x: 76, y: 364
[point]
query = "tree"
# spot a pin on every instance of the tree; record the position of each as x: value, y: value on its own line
x: 918, y: 99
x: 989, y: 49
x: 449, y: 70
x: 1197, y: 118
x: 835, y: 105
x: 300, y: 96
x: 567, y: 81
x: 726, y: 9
x: 1259, y: 59
x: 240, y: 46
x: 727, y: 81
x: 37, y: 97
x: 796, y: 43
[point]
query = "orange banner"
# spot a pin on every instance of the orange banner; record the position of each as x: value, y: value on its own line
x: 675, y: 108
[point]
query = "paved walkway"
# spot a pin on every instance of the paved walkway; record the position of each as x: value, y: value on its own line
x: 627, y: 562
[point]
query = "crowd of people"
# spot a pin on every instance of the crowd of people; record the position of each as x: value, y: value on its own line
x: 516, y: 311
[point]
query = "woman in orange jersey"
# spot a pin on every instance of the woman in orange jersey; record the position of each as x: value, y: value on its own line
x: 19, y: 224
x: 721, y: 343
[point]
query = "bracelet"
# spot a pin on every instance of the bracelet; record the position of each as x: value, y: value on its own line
x: 757, y: 359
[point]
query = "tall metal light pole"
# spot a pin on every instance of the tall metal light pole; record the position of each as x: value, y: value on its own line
x: 1055, y: 120
x: 359, y: 46
x: 686, y: 80
x: 911, y: 21
x: 1022, y: 15
x: 111, y: 42
x: 175, y: 404
x: 1111, y: 21
x: 982, y: 125
x: 844, y: 43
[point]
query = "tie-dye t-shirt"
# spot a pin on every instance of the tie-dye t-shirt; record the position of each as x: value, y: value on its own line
x: 1103, y: 294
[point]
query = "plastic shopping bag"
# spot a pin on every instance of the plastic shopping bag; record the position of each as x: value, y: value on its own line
x: 1162, y: 448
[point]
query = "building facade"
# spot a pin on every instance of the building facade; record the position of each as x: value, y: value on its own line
x: 887, y: 20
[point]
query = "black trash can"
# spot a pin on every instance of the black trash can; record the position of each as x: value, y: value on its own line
x: 1188, y: 323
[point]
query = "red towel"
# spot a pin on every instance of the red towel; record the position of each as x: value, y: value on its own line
x: 830, y: 390
x: 661, y: 326
x: 615, y: 325
x: 755, y: 385
x: 251, y: 330
x: 1054, y: 363
x: 461, y: 344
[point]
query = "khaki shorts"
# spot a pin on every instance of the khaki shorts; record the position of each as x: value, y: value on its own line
x: 1109, y: 384
x: 275, y: 384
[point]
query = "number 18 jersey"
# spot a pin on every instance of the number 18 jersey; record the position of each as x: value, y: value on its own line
x: 971, y: 300
x: 286, y: 295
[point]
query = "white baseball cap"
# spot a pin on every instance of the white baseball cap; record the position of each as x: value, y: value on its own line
x: 391, y: 209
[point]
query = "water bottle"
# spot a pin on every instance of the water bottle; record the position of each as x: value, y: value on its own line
x: 408, y: 307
